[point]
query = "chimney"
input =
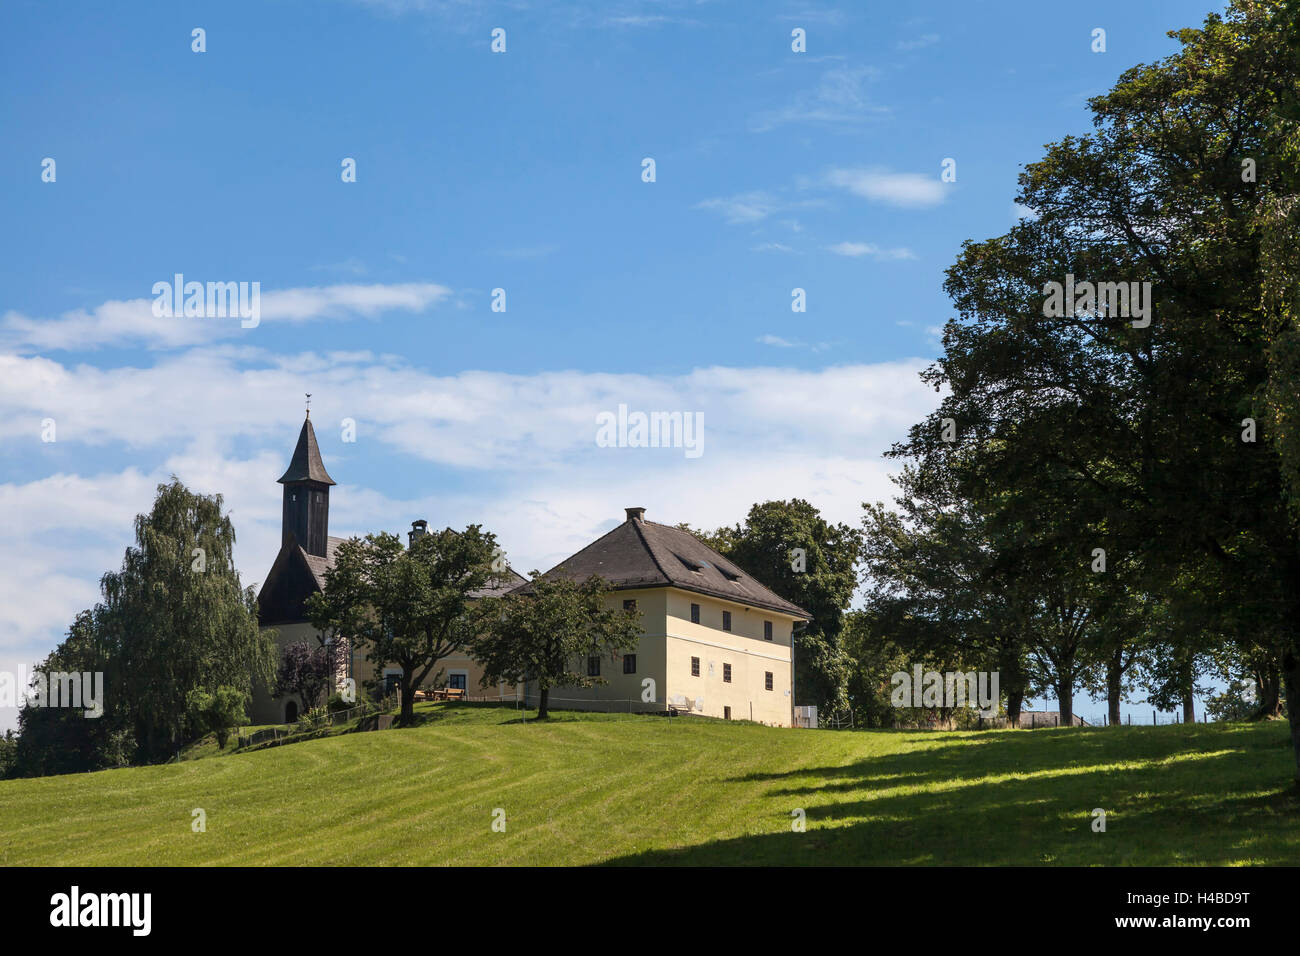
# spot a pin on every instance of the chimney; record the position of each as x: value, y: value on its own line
x: 418, y: 530
x: 635, y: 514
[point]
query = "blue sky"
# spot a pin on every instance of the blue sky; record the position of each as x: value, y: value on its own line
x: 476, y: 171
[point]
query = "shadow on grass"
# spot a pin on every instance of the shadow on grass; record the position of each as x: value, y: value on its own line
x: 1172, y: 795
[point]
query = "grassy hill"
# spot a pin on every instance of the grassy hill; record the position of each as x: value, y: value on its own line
x: 588, y: 788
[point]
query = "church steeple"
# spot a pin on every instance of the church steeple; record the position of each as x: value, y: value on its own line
x: 306, y: 495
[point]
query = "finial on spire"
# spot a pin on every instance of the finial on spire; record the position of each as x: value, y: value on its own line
x: 308, y: 404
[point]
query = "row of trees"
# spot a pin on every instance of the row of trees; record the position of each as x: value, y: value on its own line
x: 1100, y: 499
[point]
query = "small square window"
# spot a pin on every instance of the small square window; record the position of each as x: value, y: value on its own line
x: 695, y: 667
x: 629, y: 605
x: 695, y: 614
x: 593, y: 666
x: 629, y: 663
x: 767, y: 680
x: 767, y: 630
x: 726, y: 620
x: 726, y: 673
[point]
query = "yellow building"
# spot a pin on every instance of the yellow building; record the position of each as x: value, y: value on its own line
x: 715, y: 642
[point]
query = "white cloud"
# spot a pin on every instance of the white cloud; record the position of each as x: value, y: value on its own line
x: 132, y: 321
x: 927, y: 39
x: 742, y: 208
x: 858, y: 249
x: 895, y: 189
x: 840, y: 98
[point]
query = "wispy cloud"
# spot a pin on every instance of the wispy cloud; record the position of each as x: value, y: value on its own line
x: 649, y: 20
x: 780, y: 342
x: 895, y: 189
x: 753, y: 207
x: 839, y: 98
x: 927, y: 39
x: 529, y: 252
x: 859, y: 249
x: 741, y: 208
x: 132, y: 321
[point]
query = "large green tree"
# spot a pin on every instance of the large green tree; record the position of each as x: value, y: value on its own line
x: 174, y: 625
x: 176, y: 619
x: 792, y: 549
x: 406, y: 606
x: 545, y: 634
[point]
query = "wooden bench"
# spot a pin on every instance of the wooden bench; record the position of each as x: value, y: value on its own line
x: 443, y: 693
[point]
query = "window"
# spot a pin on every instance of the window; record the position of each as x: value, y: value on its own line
x: 726, y: 620
x: 726, y: 713
x: 767, y: 680
x: 695, y: 614
x: 629, y: 663
x: 726, y: 673
x: 767, y: 630
x: 695, y: 667
x: 629, y: 605
x: 458, y: 681
x: 593, y: 666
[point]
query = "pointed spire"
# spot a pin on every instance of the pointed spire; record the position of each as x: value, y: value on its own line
x: 307, y: 464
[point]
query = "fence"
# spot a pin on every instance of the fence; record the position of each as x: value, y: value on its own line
x: 306, y: 725
x: 1155, y: 720
x: 1037, y: 720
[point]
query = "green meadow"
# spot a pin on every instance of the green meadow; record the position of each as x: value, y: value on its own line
x: 584, y: 789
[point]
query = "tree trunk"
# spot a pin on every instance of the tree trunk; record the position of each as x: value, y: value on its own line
x: 1114, y: 689
x: 407, y: 688
x: 1012, y: 679
x: 1268, y: 684
x: 1015, y: 697
x: 543, y: 699
x: 1065, y: 703
x: 1291, y: 674
x: 1188, y: 686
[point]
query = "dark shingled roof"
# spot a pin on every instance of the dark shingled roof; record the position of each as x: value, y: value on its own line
x: 646, y: 554
x: 320, y: 565
x: 307, y: 464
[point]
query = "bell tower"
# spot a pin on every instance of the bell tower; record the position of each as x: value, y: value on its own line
x: 306, y: 495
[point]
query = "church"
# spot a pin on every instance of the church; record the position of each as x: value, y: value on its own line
x: 715, y: 642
